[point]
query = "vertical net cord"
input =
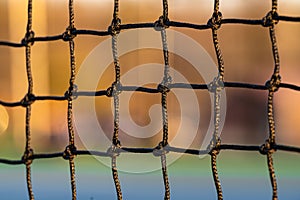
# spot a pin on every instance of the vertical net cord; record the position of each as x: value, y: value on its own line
x: 216, y: 87
x: 216, y: 142
x: 165, y: 176
x: 71, y: 148
x: 166, y: 80
x: 164, y: 92
x: 165, y: 10
x: 115, y: 27
x: 27, y: 157
x: 273, y: 87
x: 165, y: 83
x: 116, y: 177
x: 115, y: 140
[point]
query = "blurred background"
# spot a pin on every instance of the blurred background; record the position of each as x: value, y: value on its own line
x: 248, y: 58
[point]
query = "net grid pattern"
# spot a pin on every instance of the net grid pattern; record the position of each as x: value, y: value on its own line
x: 163, y: 148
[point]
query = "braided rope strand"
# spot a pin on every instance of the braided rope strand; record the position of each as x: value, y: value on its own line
x: 165, y: 176
x: 272, y: 175
x: 115, y: 25
x: 167, y: 79
x: 216, y: 88
x: 28, y: 154
x: 165, y: 83
x: 165, y: 9
x: 116, y: 177
x: 71, y: 148
x: 28, y: 151
x: 217, y: 182
x: 273, y: 85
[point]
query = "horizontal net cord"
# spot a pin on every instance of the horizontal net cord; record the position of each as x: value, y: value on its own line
x: 148, y: 25
x: 170, y: 149
x: 144, y: 90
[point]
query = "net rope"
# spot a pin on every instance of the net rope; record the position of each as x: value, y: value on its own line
x: 163, y: 148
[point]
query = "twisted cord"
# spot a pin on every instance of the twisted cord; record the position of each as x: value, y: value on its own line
x: 165, y: 10
x: 165, y: 176
x: 216, y: 87
x: 214, y: 169
x: 28, y: 182
x: 114, y: 91
x: 27, y: 157
x: 273, y: 85
x: 272, y: 175
x: 163, y: 88
x: 29, y: 16
x: 69, y: 152
x: 116, y: 9
x: 116, y: 178
x: 223, y: 147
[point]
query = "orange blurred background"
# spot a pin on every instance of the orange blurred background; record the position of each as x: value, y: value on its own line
x: 246, y: 50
